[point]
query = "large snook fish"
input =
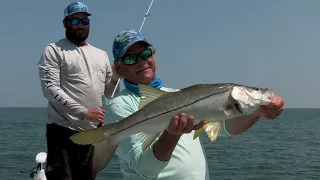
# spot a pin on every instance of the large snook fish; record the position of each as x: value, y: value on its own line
x: 211, y: 102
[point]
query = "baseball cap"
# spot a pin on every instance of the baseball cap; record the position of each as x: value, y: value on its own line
x: 124, y: 40
x: 75, y: 7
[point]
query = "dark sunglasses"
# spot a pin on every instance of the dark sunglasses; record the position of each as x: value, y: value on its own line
x: 76, y: 21
x: 130, y: 59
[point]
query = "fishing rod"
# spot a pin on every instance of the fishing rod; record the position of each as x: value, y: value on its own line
x: 146, y: 15
x: 144, y: 19
x: 119, y: 79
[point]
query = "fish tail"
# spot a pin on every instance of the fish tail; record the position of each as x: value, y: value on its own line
x: 87, y: 137
x: 102, y: 154
x: 104, y: 145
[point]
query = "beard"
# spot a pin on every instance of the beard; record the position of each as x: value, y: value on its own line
x: 78, y: 35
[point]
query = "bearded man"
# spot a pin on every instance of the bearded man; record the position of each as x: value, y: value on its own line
x: 75, y: 76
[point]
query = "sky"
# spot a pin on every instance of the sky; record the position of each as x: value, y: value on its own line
x: 266, y: 43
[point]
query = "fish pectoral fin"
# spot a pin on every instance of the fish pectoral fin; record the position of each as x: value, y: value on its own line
x: 227, y: 109
x: 102, y: 154
x: 147, y: 139
x: 212, y: 129
x: 148, y: 94
x: 92, y: 136
x: 229, y: 112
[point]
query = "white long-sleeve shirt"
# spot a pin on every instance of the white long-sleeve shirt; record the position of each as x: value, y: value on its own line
x: 74, y: 80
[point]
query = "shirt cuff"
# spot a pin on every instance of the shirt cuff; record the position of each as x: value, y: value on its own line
x: 224, y: 131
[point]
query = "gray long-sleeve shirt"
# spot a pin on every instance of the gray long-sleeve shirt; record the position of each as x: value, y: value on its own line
x: 74, y: 79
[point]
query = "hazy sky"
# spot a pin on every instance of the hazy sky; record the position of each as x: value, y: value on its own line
x: 265, y: 43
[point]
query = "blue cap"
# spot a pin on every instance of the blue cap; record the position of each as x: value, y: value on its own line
x: 75, y: 7
x: 124, y: 40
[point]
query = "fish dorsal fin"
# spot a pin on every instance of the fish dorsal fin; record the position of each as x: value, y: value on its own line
x: 212, y: 129
x: 148, y: 94
x: 147, y: 139
x: 193, y: 86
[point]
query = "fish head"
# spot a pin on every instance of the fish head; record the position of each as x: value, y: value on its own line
x: 249, y: 99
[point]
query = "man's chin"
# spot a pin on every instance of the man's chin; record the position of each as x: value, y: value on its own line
x: 148, y: 79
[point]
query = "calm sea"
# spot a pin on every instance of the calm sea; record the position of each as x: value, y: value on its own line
x: 284, y: 149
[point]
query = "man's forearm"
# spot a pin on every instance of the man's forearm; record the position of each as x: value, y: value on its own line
x: 241, y: 124
x: 53, y: 92
x: 163, y: 148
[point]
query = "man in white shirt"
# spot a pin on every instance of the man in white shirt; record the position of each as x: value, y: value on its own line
x: 74, y: 78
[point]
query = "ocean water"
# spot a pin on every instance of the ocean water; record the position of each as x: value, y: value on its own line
x: 287, y: 148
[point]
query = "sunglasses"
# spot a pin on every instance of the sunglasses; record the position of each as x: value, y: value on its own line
x: 76, y: 21
x: 131, y: 59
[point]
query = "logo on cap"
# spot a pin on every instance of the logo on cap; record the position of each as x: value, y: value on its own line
x: 75, y: 7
